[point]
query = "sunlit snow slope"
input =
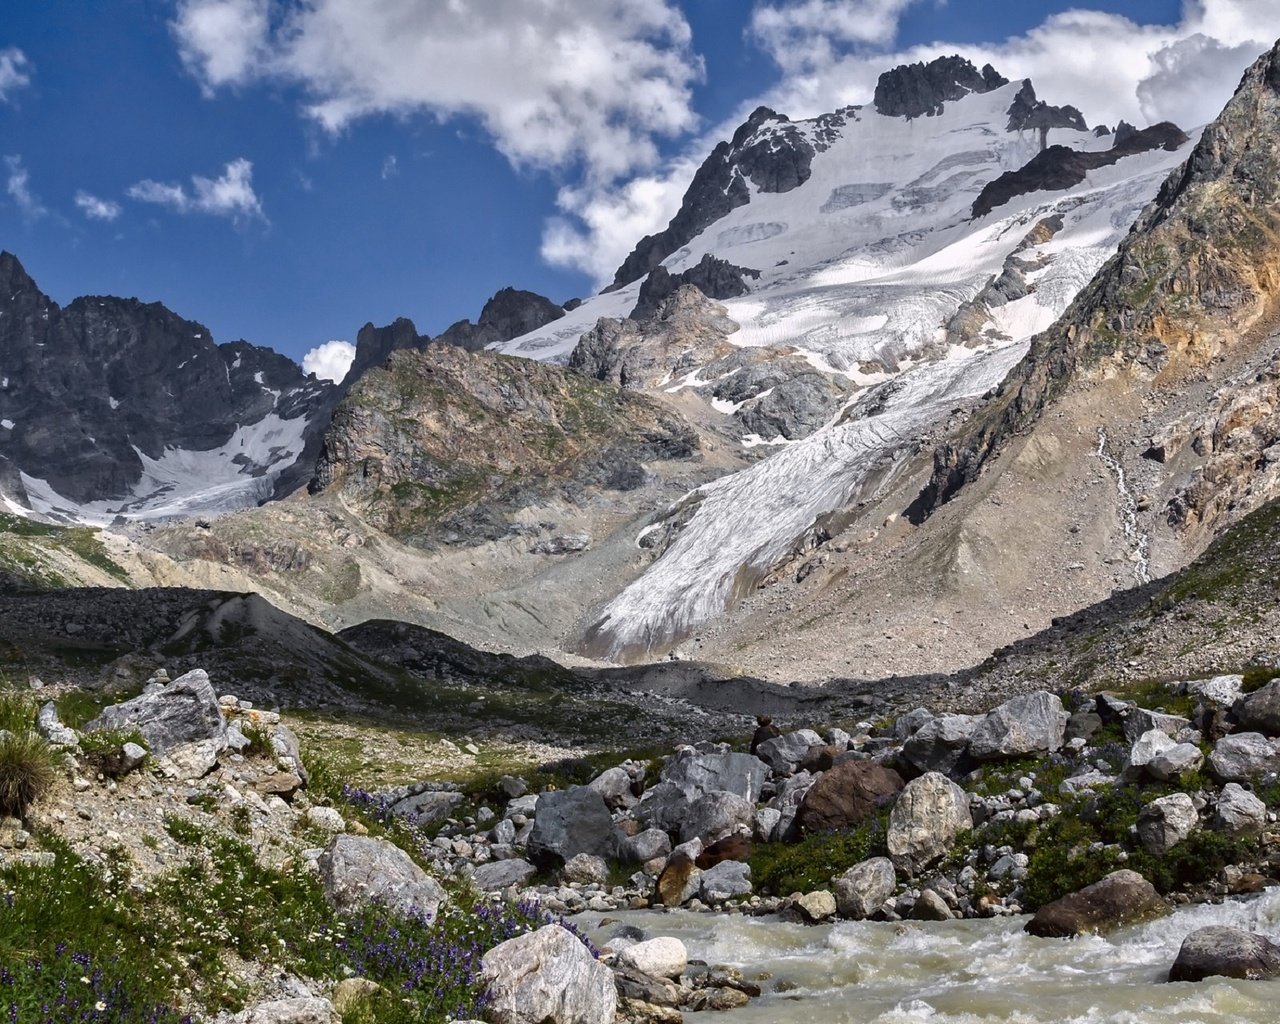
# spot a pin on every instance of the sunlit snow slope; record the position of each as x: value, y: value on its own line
x: 862, y: 268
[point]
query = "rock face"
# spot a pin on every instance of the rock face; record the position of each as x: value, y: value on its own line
x: 1227, y: 953
x: 547, y: 977
x: 918, y: 90
x: 715, y: 278
x: 568, y: 822
x: 1122, y: 898
x: 1028, y: 112
x: 454, y: 444
x: 509, y: 314
x: 1260, y: 711
x: 185, y: 711
x: 931, y: 811
x: 357, y: 870
x: 1196, y: 241
x: 863, y: 889
x: 1035, y: 723
x: 96, y: 387
x: 846, y: 794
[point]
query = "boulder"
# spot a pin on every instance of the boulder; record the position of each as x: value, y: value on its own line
x: 846, y: 794
x: 658, y: 958
x: 496, y: 875
x: 767, y: 821
x: 52, y: 729
x: 689, y: 776
x: 911, y: 723
x: 1239, y: 812
x: 547, y: 977
x: 1222, y: 691
x: 614, y: 786
x: 790, y: 794
x: 427, y: 807
x: 715, y: 815
x: 1223, y: 952
x: 939, y: 744
x: 184, y: 712
x: 765, y: 730
x: 567, y: 822
x: 357, y: 870
x: 931, y: 907
x: 725, y: 880
x: 1260, y: 710
x: 1139, y: 721
x: 1165, y: 822
x: 785, y: 753
x: 1178, y: 760
x: 816, y: 906
x: 1121, y: 898
x: 680, y: 880
x: 1082, y: 725
x: 1034, y: 723
x: 1145, y: 748
x: 930, y: 812
x: 1243, y: 755
x: 644, y: 846
x: 586, y: 868
x: 862, y: 890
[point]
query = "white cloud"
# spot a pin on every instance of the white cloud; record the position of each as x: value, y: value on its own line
x: 582, y: 85
x: 95, y: 208
x: 18, y: 186
x: 15, y: 71
x: 831, y: 52
x: 330, y: 361
x: 231, y: 195
x: 390, y: 167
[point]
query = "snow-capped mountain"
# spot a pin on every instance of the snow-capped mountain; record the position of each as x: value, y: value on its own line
x: 877, y: 262
x: 112, y: 409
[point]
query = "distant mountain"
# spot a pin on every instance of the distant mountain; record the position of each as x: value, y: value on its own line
x: 115, y: 408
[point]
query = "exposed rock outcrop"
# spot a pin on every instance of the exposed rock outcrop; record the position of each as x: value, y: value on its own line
x: 920, y: 89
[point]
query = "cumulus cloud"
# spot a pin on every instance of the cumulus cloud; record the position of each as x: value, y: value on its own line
x: 586, y: 85
x: 330, y: 361
x: 831, y: 52
x: 231, y: 195
x: 15, y: 71
x: 95, y: 208
x: 18, y: 186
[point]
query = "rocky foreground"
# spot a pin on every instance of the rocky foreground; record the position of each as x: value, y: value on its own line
x: 1094, y: 812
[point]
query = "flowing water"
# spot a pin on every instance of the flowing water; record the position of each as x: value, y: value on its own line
x: 970, y: 972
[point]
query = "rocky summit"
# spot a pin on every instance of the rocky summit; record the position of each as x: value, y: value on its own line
x: 872, y: 589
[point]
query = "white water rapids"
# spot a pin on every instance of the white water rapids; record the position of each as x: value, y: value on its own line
x: 969, y: 972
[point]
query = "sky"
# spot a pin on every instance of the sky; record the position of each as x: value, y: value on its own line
x: 285, y: 170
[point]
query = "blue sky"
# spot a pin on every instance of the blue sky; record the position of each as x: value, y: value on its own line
x: 284, y: 170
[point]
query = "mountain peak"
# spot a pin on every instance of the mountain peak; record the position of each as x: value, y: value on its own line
x: 13, y: 276
x: 920, y: 89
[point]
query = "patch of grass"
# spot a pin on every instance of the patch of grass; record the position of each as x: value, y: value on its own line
x: 28, y: 767
x: 811, y: 863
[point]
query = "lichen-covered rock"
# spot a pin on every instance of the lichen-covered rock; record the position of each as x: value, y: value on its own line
x: 1121, y: 898
x: 928, y: 815
x: 1244, y: 755
x: 185, y: 711
x: 1166, y: 821
x: 547, y: 977
x: 1031, y: 724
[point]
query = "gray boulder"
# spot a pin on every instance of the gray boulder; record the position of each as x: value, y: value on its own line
x: 726, y: 880
x: 584, y: 867
x: 1034, y: 723
x: 1239, y: 812
x: 1227, y: 953
x: 1223, y: 691
x: 496, y: 875
x: 644, y: 846
x: 939, y: 744
x: 547, y: 977
x: 1178, y: 760
x: 52, y: 729
x: 1165, y: 822
x: 357, y: 870
x: 1146, y: 748
x: 300, y: 1010
x: 1244, y: 755
x: 785, y: 753
x: 614, y: 785
x: 663, y: 957
x: 1139, y: 720
x: 862, y: 890
x: 1260, y: 710
x: 428, y: 807
x: 689, y: 776
x: 928, y: 815
x: 715, y: 815
x: 186, y: 711
x: 567, y: 822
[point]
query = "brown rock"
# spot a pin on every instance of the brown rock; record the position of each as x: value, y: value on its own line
x: 821, y: 758
x: 736, y: 847
x: 765, y: 730
x: 678, y: 881
x: 846, y: 794
x: 282, y: 784
x: 1122, y: 898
